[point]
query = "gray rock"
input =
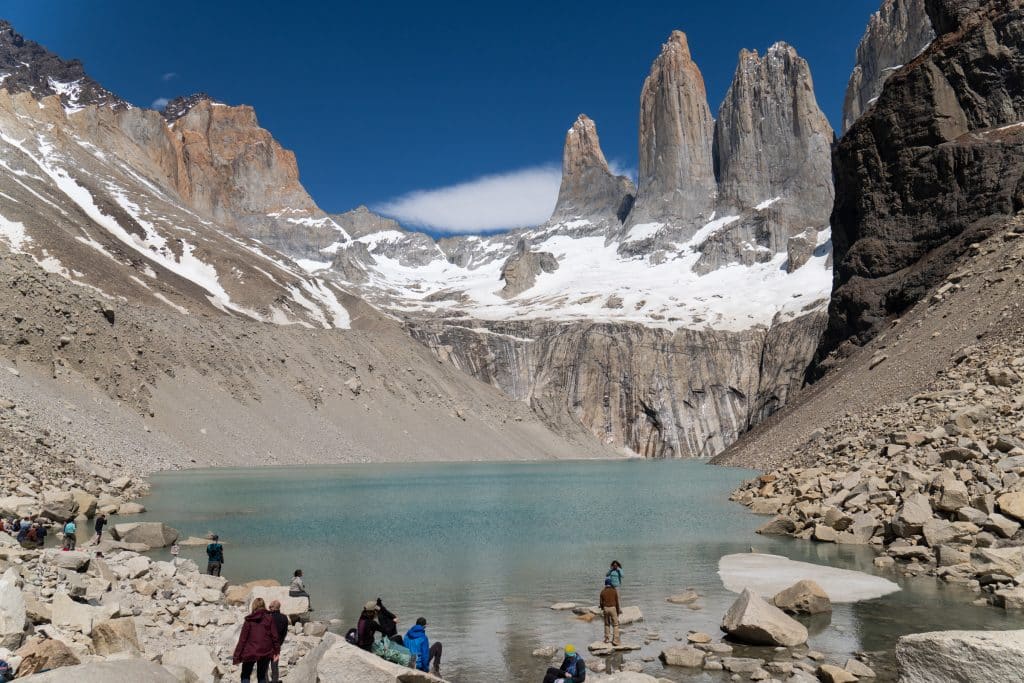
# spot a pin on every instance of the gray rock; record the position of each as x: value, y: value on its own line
x: 151, y: 534
x: 803, y: 597
x: 683, y: 655
x: 753, y: 621
x: 589, y: 190
x: 105, y: 672
x: 964, y: 656
x: 521, y: 269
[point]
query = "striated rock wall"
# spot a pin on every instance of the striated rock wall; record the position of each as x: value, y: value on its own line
x: 659, y: 393
x: 896, y: 34
x: 934, y: 166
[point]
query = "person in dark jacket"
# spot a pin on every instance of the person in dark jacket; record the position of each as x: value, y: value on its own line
x: 281, y: 623
x: 573, y: 669
x: 258, y: 643
x: 419, y: 645
x: 367, y: 626
x: 214, y: 556
x: 388, y: 621
x: 609, y: 604
x: 101, y: 521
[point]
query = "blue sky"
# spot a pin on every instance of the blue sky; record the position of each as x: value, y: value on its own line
x: 380, y: 100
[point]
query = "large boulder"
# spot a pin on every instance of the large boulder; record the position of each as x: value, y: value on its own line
x: 66, y: 613
x: 683, y: 655
x: 289, y: 606
x: 1012, y: 505
x: 962, y: 656
x: 335, y: 661
x: 753, y: 621
x: 86, y: 503
x: 105, y: 672
x: 630, y: 615
x: 197, y: 659
x: 803, y: 597
x: 12, y: 611
x: 18, y: 506
x: 74, y: 560
x: 59, y: 505
x: 913, y: 515
x: 44, y: 654
x: 115, y: 636
x: 241, y: 594
x: 151, y: 534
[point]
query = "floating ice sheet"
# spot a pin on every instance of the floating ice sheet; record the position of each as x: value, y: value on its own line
x: 769, y: 574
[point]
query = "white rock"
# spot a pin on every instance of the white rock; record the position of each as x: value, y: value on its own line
x: 70, y: 614
x: 289, y: 606
x: 106, y: 672
x: 335, y: 661
x: 197, y: 659
x: 963, y: 656
x: 12, y: 611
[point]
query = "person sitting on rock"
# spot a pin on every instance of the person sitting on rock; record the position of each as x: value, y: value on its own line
x: 297, y: 588
x: 23, y: 526
x: 419, y: 645
x: 609, y: 604
x: 281, y: 623
x: 31, y: 538
x: 615, y: 574
x: 40, y: 534
x: 214, y: 556
x: 70, y: 539
x: 367, y: 626
x: 258, y: 643
x: 573, y: 669
x: 6, y: 672
x: 389, y: 622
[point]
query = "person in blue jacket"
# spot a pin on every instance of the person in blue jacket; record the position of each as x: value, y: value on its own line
x: 419, y: 645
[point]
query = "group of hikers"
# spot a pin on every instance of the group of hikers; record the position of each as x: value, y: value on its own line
x: 376, y: 618
x: 31, y: 533
x: 574, y: 668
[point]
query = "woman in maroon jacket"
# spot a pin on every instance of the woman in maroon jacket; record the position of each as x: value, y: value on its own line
x: 258, y: 643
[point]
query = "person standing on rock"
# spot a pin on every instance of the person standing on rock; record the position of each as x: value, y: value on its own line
x: 97, y: 525
x: 573, y: 669
x: 258, y: 643
x: 214, y: 556
x: 281, y: 623
x: 70, y: 539
x: 419, y: 645
x: 609, y: 603
x: 615, y: 574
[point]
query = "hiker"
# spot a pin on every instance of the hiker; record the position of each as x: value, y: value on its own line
x: 97, y: 525
x: 281, y: 623
x: 6, y: 673
x: 615, y: 574
x: 609, y: 603
x: 31, y: 538
x: 297, y: 589
x: 258, y: 643
x: 69, y: 534
x: 419, y: 645
x: 367, y: 626
x: 388, y: 622
x: 40, y: 534
x: 23, y: 526
x: 214, y: 556
x: 573, y: 669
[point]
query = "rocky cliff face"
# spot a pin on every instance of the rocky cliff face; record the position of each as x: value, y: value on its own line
x: 896, y: 34
x: 27, y: 66
x: 677, y: 177
x: 589, y: 190
x: 931, y: 168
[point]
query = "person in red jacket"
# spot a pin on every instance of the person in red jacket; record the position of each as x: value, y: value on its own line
x: 258, y: 643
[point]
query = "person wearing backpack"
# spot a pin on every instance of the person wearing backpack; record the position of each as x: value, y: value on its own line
x: 69, y: 534
x: 214, y: 556
x: 419, y: 645
x: 281, y: 623
x: 615, y: 574
x: 258, y: 643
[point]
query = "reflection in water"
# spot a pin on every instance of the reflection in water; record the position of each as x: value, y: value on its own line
x: 482, y: 550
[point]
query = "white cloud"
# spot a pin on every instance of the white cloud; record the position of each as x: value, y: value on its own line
x: 159, y: 103
x: 170, y: 75
x: 493, y: 202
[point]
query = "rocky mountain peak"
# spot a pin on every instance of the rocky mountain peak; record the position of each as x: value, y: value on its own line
x: 360, y: 221
x: 181, y: 105
x: 896, y: 33
x: 589, y: 189
x: 676, y: 180
x: 27, y: 66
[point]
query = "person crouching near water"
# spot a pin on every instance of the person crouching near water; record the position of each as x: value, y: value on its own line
x: 297, y: 588
x: 258, y: 643
x: 573, y: 669
x: 419, y: 645
x: 609, y: 603
x: 615, y: 574
x: 367, y: 626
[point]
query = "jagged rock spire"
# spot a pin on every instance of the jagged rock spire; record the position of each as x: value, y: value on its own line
x: 589, y: 189
x: 677, y: 180
x: 773, y: 141
x: 896, y: 33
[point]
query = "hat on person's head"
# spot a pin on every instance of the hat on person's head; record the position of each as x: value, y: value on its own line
x: 570, y: 649
x: 215, y: 537
x: 422, y: 621
x: 371, y: 606
x: 607, y: 582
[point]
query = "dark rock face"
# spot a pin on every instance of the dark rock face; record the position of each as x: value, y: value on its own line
x: 27, y: 66
x: 930, y: 168
x: 521, y: 269
x: 589, y: 190
x: 896, y: 33
x: 180, y: 106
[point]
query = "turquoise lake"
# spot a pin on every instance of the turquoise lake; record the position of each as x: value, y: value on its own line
x: 482, y: 549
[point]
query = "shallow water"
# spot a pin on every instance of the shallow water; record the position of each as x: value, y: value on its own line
x: 481, y: 550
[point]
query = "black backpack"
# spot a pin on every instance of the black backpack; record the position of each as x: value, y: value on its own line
x: 352, y: 637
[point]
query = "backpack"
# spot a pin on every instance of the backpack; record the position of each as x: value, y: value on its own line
x: 352, y: 637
